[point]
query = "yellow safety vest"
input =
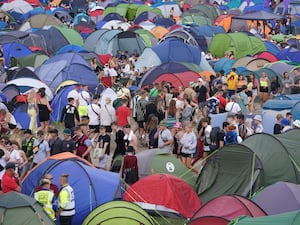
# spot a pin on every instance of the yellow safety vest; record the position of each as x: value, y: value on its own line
x: 45, y: 197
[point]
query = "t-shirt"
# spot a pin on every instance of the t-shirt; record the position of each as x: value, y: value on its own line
x: 102, y: 140
x: 55, y: 146
x: 68, y: 146
x: 213, y: 104
x: 233, y: 107
x: 73, y: 94
x: 84, y: 98
x: 43, y: 148
x: 8, y: 183
x: 201, y: 93
x: 122, y: 113
x: 164, y: 136
x: 93, y: 112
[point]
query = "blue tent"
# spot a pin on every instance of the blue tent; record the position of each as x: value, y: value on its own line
x: 71, y: 48
x: 296, y: 111
x: 271, y: 47
x: 207, y: 30
x: 21, y: 115
x: 113, y: 16
x: 59, y: 101
x: 15, y: 50
x: 224, y: 64
x: 164, y: 22
x: 92, y: 187
x: 146, y: 15
x: 279, y: 105
x: 174, y: 50
x: 291, y: 54
x: 67, y: 66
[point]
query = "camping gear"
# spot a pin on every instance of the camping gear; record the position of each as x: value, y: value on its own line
x: 164, y: 194
x: 92, y: 187
x: 118, y: 212
x: 20, y: 209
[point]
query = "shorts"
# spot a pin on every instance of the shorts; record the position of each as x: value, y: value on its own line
x: 263, y: 89
x: 103, y: 162
x: 187, y: 155
x: 254, y: 91
x: 95, y: 128
x: 141, y: 124
x: 201, y: 104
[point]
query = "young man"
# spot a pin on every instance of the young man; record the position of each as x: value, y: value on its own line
x: 82, y: 143
x: 84, y: 100
x: 123, y: 114
x: 104, y: 145
x: 94, y: 112
x: 27, y: 147
x: 68, y: 145
x: 165, y: 138
x: 41, y: 149
x: 69, y: 114
x: 10, y: 180
x: 55, y: 142
x: 66, y: 201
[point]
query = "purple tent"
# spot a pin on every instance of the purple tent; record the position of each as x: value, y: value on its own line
x: 279, y: 198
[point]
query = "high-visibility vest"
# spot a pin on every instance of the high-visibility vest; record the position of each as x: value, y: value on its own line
x: 69, y: 210
x: 45, y: 197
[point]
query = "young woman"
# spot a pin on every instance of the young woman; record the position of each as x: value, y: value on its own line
x: 32, y: 110
x: 275, y: 87
x: 44, y: 110
x: 264, y: 88
x: 287, y: 83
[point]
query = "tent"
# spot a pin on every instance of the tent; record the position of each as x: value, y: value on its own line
x: 240, y: 43
x: 15, y: 50
x: 279, y: 198
x: 176, y: 73
x: 109, y: 41
x: 229, y: 207
x: 181, y: 34
x: 165, y: 8
x: 209, y: 220
x: 20, y: 209
x: 259, y: 161
x: 67, y: 66
x: 266, y: 55
x: 155, y: 161
x: 20, y: 72
x: 19, y: 7
x: 10, y: 91
x: 39, y: 21
x: 291, y: 54
x: 118, y: 212
x: 25, y: 84
x: 92, y: 187
x: 164, y: 194
x: 258, y: 15
x: 251, y: 63
x: 33, y: 60
x: 291, y: 218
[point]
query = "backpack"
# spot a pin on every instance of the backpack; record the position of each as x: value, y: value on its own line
x: 214, y: 138
x: 231, y: 137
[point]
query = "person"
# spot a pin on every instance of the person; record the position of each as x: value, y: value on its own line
x: 258, y: 123
x: 120, y: 144
x: 202, y: 93
x: 242, y: 129
x: 204, y: 133
x: 4, y: 126
x: 231, y: 135
x: 27, y: 147
x: 240, y: 82
x: 296, y: 83
x: 140, y: 107
x: 233, y: 106
x: 278, y: 126
x: 67, y: 145
x: 151, y: 129
x: 70, y: 114
x: 275, y: 86
x: 4, y: 157
x: 231, y: 80
x: 296, y: 124
x: 47, y: 198
x: 130, y: 172
x: 95, y: 66
x: 130, y: 138
x: 41, y: 149
x: 75, y: 95
x: 55, y: 143
x: 53, y: 187
x: 84, y: 100
x: 264, y: 84
x: 66, y: 201
x: 165, y: 139
x: 23, y: 158
x: 10, y: 179
x: 287, y: 83
x: 44, y: 110
x: 213, y: 104
x: 14, y: 155
x: 82, y: 143
x: 16, y: 135
x: 123, y: 113
x: 108, y: 115
x: 177, y: 133
x: 32, y: 109
x: 189, y: 144
x: 94, y: 113
x: 104, y: 145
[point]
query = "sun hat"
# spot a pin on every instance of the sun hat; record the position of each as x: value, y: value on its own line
x: 163, y: 123
x: 258, y: 118
x: 296, y: 123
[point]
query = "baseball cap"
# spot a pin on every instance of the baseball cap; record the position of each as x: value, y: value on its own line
x: 10, y: 165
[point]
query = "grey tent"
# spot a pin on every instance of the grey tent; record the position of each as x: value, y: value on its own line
x: 259, y: 15
x: 20, y: 209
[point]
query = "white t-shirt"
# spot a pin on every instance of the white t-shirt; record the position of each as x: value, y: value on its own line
x: 112, y: 72
x: 233, y: 107
x: 84, y: 98
x: 93, y: 110
x: 14, y: 156
x: 163, y: 136
x: 207, y: 132
x: 73, y: 94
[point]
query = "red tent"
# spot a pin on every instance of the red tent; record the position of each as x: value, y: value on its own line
x: 229, y: 207
x: 178, y: 79
x: 266, y: 55
x: 209, y: 220
x: 164, y: 193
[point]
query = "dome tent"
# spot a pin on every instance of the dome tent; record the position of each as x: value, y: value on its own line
x: 92, y: 187
x: 20, y: 209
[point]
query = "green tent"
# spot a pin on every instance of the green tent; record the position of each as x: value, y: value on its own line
x: 146, y: 8
x: 290, y: 218
x: 257, y: 162
x: 147, y: 36
x: 290, y: 140
x: 120, y: 9
x: 156, y: 161
x: 205, y: 10
x: 131, y: 11
x: 34, y: 60
x: 20, y: 209
x: 228, y: 171
x: 240, y: 43
x: 72, y: 36
x: 118, y: 212
x: 195, y: 19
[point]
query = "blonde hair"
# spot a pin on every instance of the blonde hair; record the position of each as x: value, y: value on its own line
x: 31, y: 95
